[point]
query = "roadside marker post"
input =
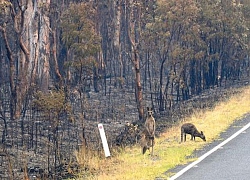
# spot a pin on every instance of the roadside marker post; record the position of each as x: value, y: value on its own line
x: 104, y: 140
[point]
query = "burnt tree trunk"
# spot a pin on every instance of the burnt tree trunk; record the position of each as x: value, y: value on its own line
x: 134, y: 41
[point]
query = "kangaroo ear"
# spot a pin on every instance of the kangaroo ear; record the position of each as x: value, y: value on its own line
x: 201, y: 132
x: 148, y: 108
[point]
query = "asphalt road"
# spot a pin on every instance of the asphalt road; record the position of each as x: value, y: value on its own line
x: 231, y: 161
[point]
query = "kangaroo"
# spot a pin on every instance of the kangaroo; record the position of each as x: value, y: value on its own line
x: 150, y: 123
x: 189, y: 128
x: 148, y: 133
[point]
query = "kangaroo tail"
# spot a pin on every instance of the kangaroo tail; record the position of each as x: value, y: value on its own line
x: 181, y: 134
x: 144, y: 149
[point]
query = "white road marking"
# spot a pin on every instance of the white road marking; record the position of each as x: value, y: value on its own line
x: 178, y: 174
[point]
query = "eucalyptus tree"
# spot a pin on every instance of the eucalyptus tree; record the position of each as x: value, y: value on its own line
x: 25, y: 32
x: 245, y: 7
x: 172, y: 31
x: 223, y: 30
x: 134, y: 37
x: 82, y: 43
x: 53, y: 106
x: 4, y: 45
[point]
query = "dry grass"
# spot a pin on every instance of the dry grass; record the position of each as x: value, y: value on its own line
x: 168, y: 151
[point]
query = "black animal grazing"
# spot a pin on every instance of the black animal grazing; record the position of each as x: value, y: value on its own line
x: 189, y: 128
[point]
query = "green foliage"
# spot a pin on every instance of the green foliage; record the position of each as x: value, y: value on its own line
x: 78, y: 30
x: 3, y: 6
x: 52, y: 103
x: 4, y: 10
x: 174, y: 25
x: 197, y: 25
x: 80, y: 37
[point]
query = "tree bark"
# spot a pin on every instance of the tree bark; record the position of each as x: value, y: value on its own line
x: 136, y: 60
x: 11, y: 72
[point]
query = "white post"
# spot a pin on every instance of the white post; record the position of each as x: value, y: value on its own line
x: 104, y: 140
